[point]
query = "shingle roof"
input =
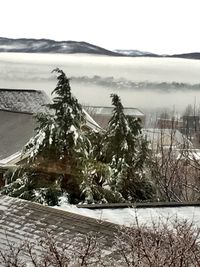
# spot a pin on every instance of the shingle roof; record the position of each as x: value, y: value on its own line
x: 23, y: 219
x: 19, y: 100
x: 108, y: 110
x: 91, y: 123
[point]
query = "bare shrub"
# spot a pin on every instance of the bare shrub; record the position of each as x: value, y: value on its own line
x: 75, y: 251
x: 165, y: 243
x: 174, y: 244
x: 173, y: 169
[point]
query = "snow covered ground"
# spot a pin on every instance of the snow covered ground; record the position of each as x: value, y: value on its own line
x: 127, y: 216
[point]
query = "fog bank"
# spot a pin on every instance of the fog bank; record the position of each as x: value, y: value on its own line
x: 141, y: 82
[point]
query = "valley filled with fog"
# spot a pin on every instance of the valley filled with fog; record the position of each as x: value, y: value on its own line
x: 145, y: 83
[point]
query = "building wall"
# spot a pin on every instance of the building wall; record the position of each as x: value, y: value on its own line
x: 191, y: 123
x: 169, y: 124
x: 15, y: 130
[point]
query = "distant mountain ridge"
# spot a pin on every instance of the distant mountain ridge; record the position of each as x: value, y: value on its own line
x: 24, y: 45
x: 134, y: 53
x: 50, y: 46
x: 195, y: 55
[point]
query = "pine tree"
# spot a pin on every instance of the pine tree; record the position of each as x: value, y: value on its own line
x: 122, y: 134
x: 105, y: 166
x: 58, y: 149
x: 59, y: 133
x: 126, y: 151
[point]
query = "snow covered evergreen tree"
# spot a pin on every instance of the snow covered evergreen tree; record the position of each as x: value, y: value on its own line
x: 59, y: 133
x: 127, y: 151
x: 56, y: 152
x: 105, y: 166
x: 122, y: 134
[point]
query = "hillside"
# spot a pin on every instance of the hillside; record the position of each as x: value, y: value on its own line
x: 51, y: 46
x: 23, y: 45
x: 194, y: 55
x: 135, y: 53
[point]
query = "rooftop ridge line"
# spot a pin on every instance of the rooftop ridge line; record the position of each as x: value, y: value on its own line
x: 107, y: 107
x: 17, y: 111
x: 22, y: 90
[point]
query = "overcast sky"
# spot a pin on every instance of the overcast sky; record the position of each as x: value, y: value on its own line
x: 160, y: 26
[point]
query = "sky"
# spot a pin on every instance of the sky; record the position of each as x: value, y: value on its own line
x: 159, y: 26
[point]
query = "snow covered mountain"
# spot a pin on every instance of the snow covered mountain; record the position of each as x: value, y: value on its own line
x: 71, y: 47
x: 51, y: 46
x: 134, y: 53
x: 66, y: 47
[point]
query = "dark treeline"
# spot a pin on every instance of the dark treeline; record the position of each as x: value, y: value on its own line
x: 127, y: 84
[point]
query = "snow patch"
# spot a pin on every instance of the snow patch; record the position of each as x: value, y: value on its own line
x: 10, y: 158
x: 127, y: 216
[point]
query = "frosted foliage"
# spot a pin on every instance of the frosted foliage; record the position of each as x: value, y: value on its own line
x: 36, y: 143
x: 94, y: 167
x: 75, y: 133
x: 59, y: 131
x: 50, y: 136
x: 63, y: 200
x: 87, y: 183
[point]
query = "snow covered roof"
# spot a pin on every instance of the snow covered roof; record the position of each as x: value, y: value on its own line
x: 22, y: 219
x: 15, y: 131
x: 189, y: 154
x: 99, y: 110
x: 19, y: 100
x: 168, y: 136
x: 11, y: 160
x: 128, y: 216
x: 91, y: 123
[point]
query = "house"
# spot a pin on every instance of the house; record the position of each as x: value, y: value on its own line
x: 17, y: 109
x: 191, y: 128
x: 191, y: 124
x: 115, y: 231
x: 102, y: 114
x: 174, y: 123
x: 23, y: 220
x: 166, y: 138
